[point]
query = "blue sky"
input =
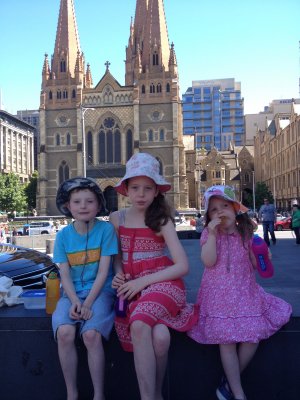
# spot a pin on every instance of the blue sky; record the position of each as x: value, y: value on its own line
x: 256, y: 42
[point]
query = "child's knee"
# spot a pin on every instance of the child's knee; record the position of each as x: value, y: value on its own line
x: 139, y: 329
x: 66, y: 334
x: 161, y: 339
x: 91, y: 338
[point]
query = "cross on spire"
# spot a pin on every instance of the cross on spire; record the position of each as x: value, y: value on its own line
x: 107, y: 64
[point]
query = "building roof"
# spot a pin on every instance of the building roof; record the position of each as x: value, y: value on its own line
x: 16, y: 121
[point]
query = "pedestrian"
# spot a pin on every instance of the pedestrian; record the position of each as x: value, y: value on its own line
x: 267, y: 214
x: 145, y: 276
x: 199, y: 225
x: 83, y: 251
x: 235, y: 312
x: 296, y: 222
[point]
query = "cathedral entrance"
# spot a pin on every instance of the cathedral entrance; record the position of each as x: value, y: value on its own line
x: 111, y: 199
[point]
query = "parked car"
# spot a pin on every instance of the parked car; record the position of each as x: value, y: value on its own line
x: 26, y: 267
x: 37, y: 228
x: 284, y: 223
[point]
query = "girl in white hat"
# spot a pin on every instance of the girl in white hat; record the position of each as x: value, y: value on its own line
x: 145, y: 276
x: 235, y: 312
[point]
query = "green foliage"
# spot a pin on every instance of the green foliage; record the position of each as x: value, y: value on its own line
x: 12, y: 196
x: 30, y: 190
x: 262, y: 192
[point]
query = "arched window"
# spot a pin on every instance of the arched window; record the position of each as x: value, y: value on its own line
x: 143, y: 89
x: 90, y: 154
x: 152, y: 88
x: 155, y: 59
x: 68, y: 139
x: 73, y: 94
x: 63, y: 172
x: 161, y: 135
x: 58, y: 139
x: 150, y: 135
x: 168, y: 88
x: 158, y: 88
x: 102, y: 145
x: 58, y: 94
x: 50, y: 95
x: 117, y: 137
x: 129, y: 144
x: 65, y: 94
x: 110, y: 149
x: 62, y: 66
x: 247, y: 177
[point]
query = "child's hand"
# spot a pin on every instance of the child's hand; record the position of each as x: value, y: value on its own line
x: 131, y: 288
x: 75, y: 310
x: 118, y: 280
x: 85, y: 312
x: 213, y: 225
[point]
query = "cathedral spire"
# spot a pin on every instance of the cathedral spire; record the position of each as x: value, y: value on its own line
x: 67, y: 44
x: 156, y: 49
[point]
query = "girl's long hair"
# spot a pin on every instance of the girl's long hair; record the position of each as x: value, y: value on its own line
x: 158, y: 213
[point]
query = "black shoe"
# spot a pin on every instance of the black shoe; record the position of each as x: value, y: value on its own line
x: 223, y: 391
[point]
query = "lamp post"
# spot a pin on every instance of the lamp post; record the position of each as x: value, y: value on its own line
x: 83, y: 111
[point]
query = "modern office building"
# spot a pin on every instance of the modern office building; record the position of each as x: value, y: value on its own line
x: 213, y: 111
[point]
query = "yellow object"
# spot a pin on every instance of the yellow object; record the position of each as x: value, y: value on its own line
x: 52, y: 292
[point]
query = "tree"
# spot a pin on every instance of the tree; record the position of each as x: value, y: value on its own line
x: 12, y: 196
x: 262, y: 192
x: 30, y: 190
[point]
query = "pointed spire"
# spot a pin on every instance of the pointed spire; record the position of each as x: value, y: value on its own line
x: 67, y: 40
x: 173, y: 61
x: 156, y: 32
x: 46, y: 69
x: 88, y: 77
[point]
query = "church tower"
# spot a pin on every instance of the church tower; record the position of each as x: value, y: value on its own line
x: 63, y: 80
x: 151, y: 67
x: 95, y: 130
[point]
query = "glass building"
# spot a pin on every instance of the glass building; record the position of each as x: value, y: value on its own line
x: 213, y: 111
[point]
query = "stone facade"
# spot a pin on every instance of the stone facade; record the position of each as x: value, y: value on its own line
x: 232, y: 167
x: 277, y: 157
x: 144, y: 115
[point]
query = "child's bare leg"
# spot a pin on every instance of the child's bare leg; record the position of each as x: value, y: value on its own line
x: 161, y: 344
x: 93, y: 342
x: 144, y: 359
x: 246, y: 352
x: 230, y: 362
x: 68, y: 358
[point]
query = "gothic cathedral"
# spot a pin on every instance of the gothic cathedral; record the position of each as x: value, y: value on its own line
x: 92, y: 131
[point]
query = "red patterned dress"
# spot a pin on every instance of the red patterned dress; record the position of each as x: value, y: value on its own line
x: 143, y: 253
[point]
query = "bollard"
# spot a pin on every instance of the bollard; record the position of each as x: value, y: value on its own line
x: 50, y: 246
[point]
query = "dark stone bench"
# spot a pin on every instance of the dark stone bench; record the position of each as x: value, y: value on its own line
x: 30, y: 369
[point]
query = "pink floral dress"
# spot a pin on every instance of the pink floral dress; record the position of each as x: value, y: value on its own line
x: 233, y: 307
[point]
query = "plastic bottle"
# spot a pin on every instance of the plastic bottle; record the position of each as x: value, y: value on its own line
x: 52, y: 292
x: 264, y: 265
x: 121, y: 307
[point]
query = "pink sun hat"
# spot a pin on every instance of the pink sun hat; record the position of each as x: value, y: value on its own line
x: 142, y: 164
x: 227, y: 193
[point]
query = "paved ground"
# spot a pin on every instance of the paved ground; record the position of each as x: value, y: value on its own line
x: 286, y: 260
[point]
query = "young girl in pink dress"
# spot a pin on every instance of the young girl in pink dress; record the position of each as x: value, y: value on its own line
x: 235, y: 312
x: 145, y: 276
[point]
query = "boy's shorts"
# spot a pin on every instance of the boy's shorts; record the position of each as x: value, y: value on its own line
x: 102, y: 319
